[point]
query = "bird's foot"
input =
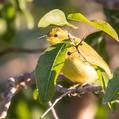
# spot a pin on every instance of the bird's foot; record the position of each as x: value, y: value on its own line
x: 86, y: 85
x: 73, y: 87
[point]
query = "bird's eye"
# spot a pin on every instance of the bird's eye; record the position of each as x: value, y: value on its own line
x: 69, y: 53
x: 55, y: 35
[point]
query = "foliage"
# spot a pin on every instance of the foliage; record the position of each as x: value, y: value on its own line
x: 11, y: 12
x: 112, y: 91
x: 59, y: 19
x: 112, y: 17
x: 48, y: 68
x: 46, y: 82
x: 101, y: 25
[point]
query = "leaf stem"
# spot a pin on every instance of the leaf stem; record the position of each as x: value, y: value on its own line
x: 71, y: 25
x: 101, y: 79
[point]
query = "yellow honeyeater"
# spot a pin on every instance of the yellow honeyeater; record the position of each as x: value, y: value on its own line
x: 75, y: 67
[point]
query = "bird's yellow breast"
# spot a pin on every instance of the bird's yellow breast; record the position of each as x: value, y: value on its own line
x: 76, y: 70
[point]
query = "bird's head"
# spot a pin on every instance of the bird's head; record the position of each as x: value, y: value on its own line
x: 56, y: 35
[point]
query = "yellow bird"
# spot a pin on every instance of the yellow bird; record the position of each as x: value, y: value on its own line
x: 78, y: 67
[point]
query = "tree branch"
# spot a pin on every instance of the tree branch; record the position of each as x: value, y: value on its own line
x: 15, y: 84
x: 53, y: 111
x: 65, y: 91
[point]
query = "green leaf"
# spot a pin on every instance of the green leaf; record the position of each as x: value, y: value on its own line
x: 54, y: 17
x: 35, y: 94
x: 101, y: 25
x: 48, y: 68
x: 112, y: 91
x: 101, y: 79
x: 112, y: 16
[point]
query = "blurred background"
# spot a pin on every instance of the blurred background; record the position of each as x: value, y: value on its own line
x: 18, y: 29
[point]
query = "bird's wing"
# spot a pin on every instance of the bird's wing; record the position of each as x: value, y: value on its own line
x: 93, y: 57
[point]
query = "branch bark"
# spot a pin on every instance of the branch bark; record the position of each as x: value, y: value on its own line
x: 65, y: 91
x: 15, y: 84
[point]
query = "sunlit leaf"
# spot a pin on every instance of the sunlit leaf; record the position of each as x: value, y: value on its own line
x: 112, y: 16
x: 112, y: 91
x: 48, y: 68
x: 102, y: 82
x: 54, y: 17
x: 101, y: 25
x: 35, y: 94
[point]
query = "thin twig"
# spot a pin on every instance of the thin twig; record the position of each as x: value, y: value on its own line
x: 55, y: 102
x: 81, y: 90
x: 53, y: 111
x: 77, y: 48
x: 14, y: 85
x: 20, y: 50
